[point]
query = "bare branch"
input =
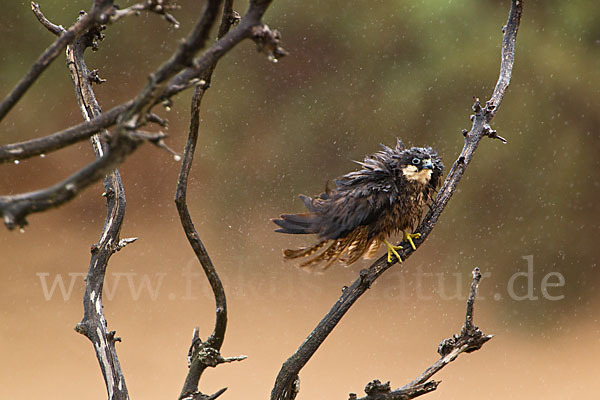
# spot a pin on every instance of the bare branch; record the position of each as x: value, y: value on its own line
x: 61, y: 139
x: 199, y: 352
x: 507, y: 59
x: 201, y: 396
x: 244, y: 30
x: 14, y: 209
x: 95, y: 15
x: 376, y: 390
x: 124, y: 242
x: 129, y: 116
x: 469, y: 340
x: 186, y: 78
x: 160, y: 7
x: 203, y: 354
x: 182, y: 57
x: 228, y: 18
x: 93, y: 324
x: 292, y: 366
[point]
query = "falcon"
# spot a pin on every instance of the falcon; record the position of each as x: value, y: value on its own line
x: 388, y: 195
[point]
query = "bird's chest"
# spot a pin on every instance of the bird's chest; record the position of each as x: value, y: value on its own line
x: 411, y: 196
x: 408, y: 208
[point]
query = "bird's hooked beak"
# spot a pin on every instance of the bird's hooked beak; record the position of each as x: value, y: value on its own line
x: 427, y: 164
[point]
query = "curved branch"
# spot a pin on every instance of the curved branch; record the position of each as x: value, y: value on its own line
x: 202, y: 354
x: 95, y: 15
x: 284, y: 384
x: 198, y: 364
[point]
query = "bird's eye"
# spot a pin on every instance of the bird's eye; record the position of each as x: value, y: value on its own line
x: 416, y: 161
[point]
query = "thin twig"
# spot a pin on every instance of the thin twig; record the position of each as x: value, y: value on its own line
x: 55, y: 29
x: 160, y: 7
x: 292, y: 366
x: 469, y: 340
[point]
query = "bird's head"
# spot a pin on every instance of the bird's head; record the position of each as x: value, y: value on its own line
x: 419, y: 164
x: 415, y: 165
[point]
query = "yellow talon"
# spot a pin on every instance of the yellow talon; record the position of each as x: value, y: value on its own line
x: 391, y: 249
x: 408, y: 237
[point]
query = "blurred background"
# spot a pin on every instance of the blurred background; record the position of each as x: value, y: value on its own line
x: 357, y: 75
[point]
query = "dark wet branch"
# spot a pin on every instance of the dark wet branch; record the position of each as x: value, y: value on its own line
x: 15, y: 209
x: 93, y: 324
x: 181, y: 58
x: 199, y: 357
x: 268, y: 41
x: 376, y: 390
x: 284, y: 384
x: 469, y: 340
x: 95, y: 15
x: 228, y: 18
x: 206, y: 354
x: 61, y: 139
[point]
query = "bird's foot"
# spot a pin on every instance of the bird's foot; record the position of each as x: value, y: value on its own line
x: 408, y: 237
x: 391, y: 249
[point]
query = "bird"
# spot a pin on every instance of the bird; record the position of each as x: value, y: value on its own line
x: 355, y: 217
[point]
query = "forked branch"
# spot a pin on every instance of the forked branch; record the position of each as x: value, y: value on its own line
x: 469, y: 340
x: 94, y: 16
x: 285, y: 387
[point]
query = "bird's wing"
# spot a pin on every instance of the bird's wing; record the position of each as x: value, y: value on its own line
x: 360, y: 198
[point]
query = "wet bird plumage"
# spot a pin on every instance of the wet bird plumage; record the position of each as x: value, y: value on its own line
x: 386, y: 196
